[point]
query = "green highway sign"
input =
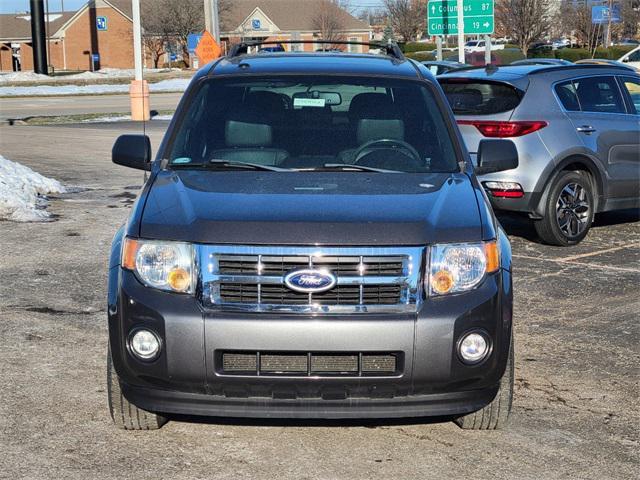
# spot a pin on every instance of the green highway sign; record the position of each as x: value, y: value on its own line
x: 442, y: 17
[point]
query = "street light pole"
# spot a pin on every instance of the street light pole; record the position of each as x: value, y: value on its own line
x: 211, y: 19
x: 460, y: 8
x: 139, y: 90
x: 38, y: 37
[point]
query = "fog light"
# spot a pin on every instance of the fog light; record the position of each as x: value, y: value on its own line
x: 473, y: 347
x: 144, y: 344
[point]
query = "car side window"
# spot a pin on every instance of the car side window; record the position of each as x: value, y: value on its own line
x: 634, y: 57
x: 599, y: 94
x: 632, y: 86
x: 566, y: 92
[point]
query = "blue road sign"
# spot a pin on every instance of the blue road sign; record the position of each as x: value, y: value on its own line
x: 192, y: 41
x: 101, y: 23
x: 95, y: 57
x: 602, y: 14
x: 256, y: 24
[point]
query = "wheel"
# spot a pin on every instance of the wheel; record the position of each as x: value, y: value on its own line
x: 495, y: 415
x: 125, y: 414
x: 569, y: 209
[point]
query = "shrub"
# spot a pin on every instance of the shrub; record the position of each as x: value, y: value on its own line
x: 573, y: 54
x: 422, y: 56
x: 508, y: 55
x: 411, y: 47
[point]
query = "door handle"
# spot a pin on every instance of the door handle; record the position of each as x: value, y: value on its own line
x: 586, y: 129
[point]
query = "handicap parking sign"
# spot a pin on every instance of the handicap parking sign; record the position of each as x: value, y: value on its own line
x: 101, y: 23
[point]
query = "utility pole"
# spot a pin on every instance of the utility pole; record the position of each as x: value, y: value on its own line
x: 138, y: 90
x: 38, y: 38
x: 460, y: 7
x: 211, y: 19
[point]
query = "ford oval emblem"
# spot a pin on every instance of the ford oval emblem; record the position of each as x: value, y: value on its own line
x: 310, y: 280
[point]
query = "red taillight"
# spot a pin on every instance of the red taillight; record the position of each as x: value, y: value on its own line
x: 495, y: 129
x: 507, y: 193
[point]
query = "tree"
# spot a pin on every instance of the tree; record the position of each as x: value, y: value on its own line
x: 524, y: 20
x: 577, y: 18
x: 156, y: 33
x: 407, y: 17
x: 168, y: 20
x: 328, y: 20
x: 387, y: 34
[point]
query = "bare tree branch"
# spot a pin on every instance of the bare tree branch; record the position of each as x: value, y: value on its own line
x: 407, y: 17
x: 524, y: 20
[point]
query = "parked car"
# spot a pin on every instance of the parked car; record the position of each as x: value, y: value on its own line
x: 439, y: 67
x: 632, y: 58
x: 577, y: 131
x: 628, y: 41
x: 605, y: 61
x: 542, y: 61
x: 560, y: 43
x: 473, y: 46
x: 312, y: 242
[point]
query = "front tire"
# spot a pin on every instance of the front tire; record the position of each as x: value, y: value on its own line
x: 126, y: 415
x: 568, y: 211
x: 495, y: 415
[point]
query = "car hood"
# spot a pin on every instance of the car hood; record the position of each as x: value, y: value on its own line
x: 319, y: 208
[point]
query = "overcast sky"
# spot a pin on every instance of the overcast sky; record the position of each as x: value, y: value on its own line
x: 13, y: 6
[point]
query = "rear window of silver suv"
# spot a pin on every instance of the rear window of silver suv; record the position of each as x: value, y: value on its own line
x: 479, y: 97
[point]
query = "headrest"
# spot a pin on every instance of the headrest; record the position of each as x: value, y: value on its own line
x: 371, y: 105
x: 466, y: 98
x: 243, y: 134
x: 377, y: 129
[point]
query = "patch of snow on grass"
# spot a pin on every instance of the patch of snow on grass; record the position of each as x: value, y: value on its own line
x: 22, y: 192
x: 172, y: 85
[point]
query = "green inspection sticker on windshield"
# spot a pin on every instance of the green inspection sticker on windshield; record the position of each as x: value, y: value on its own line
x: 182, y: 160
x: 309, y: 102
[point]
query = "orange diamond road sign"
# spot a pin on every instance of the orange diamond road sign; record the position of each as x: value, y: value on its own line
x: 208, y: 49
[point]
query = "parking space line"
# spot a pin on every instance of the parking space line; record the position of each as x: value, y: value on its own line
x: 579, y: 264
x: 607, y: 250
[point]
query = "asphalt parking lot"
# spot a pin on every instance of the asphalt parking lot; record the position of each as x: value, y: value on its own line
x: 575, y: 416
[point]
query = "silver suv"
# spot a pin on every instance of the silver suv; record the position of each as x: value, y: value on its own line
x: 577, y: 131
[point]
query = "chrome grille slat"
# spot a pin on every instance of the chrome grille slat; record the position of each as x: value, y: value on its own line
x: 369, y: 279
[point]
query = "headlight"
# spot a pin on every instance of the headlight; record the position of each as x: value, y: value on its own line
x: 164, y: 265
x: 458, y: 267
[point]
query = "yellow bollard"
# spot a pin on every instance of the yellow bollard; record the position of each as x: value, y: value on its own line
x: 139, y: 94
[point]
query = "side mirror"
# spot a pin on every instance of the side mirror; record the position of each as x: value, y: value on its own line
x: 133, y: 151
x: 496, y: 156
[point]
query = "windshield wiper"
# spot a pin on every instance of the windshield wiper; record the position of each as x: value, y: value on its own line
x: 245, y: 165
x: 347, y: 167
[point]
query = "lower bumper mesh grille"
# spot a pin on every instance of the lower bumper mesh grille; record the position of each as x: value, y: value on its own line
x: 310, y: 364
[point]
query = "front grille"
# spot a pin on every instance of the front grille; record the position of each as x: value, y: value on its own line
x: 281, y: 265
x: 281, y: 295
x: 383, y: 279
x: 353, y: 364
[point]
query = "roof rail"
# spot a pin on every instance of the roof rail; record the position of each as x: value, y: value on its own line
x: 391, y: 48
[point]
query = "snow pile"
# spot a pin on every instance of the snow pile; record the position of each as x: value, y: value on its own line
x: 22, y: 77
x: 121, y: 118
x: 22, y: 192
x: 104, y: 73
x: 172, y: 85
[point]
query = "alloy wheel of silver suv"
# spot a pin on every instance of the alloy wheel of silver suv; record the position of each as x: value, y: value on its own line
x: 568, y: 211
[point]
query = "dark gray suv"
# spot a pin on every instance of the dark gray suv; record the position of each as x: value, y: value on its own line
x: 577, y: 131
x: 312, y: 241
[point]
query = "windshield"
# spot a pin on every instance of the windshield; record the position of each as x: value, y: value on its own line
x: 314, y: 123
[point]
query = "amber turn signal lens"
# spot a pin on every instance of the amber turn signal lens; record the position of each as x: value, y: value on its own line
x: 492, y: 255
x: 129, y: 252
x: 442, y: 281
x: 179, y: 279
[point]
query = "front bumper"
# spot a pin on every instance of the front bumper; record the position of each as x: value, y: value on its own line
x: 433, y: 381
x: 437, y: 404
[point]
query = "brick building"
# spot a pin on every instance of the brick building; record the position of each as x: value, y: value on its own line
x: 100, y: 33
x: 100, y: 27
x: 292, y: 20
